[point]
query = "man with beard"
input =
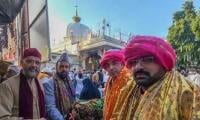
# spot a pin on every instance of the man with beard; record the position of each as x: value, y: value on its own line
x: 21, y: 96
x: 59, y: 91
x: 159, y: 92
x: 113, y: 62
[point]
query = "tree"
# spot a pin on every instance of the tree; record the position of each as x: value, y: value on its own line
x: 196, y: 31
x: 183, y: 34
x: 196, y: 26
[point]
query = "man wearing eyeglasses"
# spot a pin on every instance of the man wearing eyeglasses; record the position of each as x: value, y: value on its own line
x: 21, y: 96
x: 59, y: 91
x: 113, y: 62
x: 160, y: 92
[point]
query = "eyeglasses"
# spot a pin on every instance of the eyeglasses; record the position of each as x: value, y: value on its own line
x: 30, y: 61
x: 143, y: 60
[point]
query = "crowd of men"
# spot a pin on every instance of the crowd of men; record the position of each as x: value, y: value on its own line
x: 138, y: 82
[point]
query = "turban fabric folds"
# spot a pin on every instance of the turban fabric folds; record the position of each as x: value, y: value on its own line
x: 140, y: 46
x: 117, y: 55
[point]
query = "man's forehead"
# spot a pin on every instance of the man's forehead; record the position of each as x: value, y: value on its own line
x: 32, y: 58
x: 110, y: 61
x: 63, y: 63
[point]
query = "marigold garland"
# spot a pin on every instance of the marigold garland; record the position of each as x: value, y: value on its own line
x: 112, y: 91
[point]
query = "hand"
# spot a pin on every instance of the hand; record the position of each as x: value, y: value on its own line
x: 73, y: 115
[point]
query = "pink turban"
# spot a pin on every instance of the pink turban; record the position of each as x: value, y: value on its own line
x: 140, y: 46
x: 31, y: 52
x: 117, y: 55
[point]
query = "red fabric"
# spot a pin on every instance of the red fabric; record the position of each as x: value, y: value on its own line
x: 31, y: 52
x: 117, y: 55
x: 26, y: 99
x: 140, y: 46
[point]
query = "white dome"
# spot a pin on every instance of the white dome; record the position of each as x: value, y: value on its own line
x: 77, y: 32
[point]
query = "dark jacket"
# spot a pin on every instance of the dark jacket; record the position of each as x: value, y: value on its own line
x: 89, y: 91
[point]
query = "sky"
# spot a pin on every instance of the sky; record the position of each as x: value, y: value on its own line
x: 143, y: 17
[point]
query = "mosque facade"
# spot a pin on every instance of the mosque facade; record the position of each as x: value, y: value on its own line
x: 84, y: 47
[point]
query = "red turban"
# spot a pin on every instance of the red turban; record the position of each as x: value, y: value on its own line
x: 117, y: 55
x: 31, y: 52
x: 140, y: 46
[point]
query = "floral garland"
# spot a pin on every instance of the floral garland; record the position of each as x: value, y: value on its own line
x: 112, y: 91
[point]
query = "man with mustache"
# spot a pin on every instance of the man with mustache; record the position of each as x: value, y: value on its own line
x: 113, y: 62
x: 21, y: 96
x: 158, y: 91
x: 59, y: 91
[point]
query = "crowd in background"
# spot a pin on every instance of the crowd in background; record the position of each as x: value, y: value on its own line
x: 128, y: 79
x: 83, y: 80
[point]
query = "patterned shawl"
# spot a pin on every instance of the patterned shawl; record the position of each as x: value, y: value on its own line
x: 112, y: 91
x: 173, y: 98
x: 65, y: 96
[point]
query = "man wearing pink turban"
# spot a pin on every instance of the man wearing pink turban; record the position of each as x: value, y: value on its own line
x: 158, y: 91
x: 113, y: 62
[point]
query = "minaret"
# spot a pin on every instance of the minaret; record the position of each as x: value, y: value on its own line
x: 76, y: 18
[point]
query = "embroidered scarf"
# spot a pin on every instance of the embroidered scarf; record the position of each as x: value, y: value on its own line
x: 173, y: 98
x: 26, y: 99
x: 64, y: 94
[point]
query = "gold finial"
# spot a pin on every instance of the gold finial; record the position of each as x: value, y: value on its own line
x: 76, y: 18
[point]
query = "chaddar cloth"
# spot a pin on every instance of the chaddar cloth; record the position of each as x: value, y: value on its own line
x: 172, y: 98
x: 112, y: 91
